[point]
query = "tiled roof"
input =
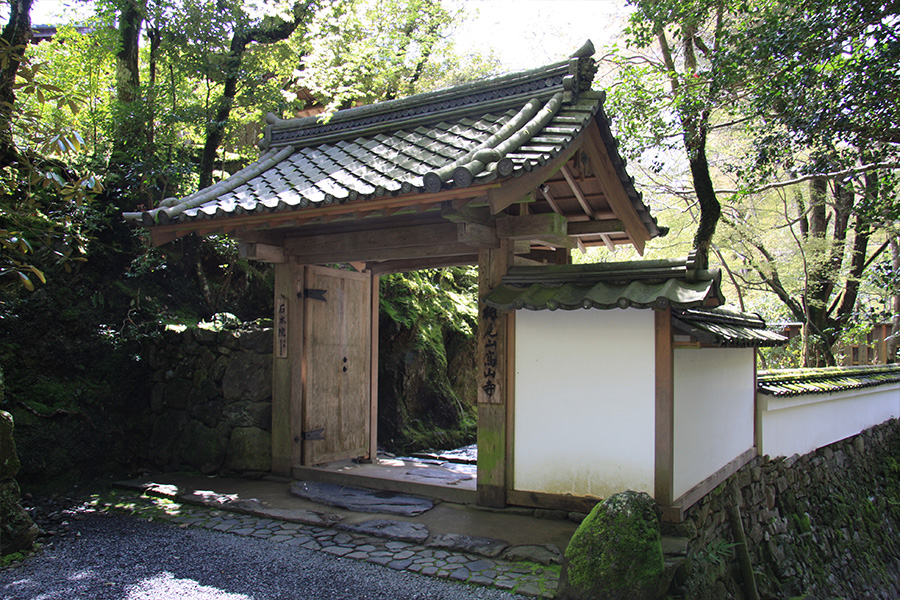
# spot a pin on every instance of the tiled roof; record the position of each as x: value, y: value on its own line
x: 793, y: 382
x: 721, y: 326
x: 639, y: 284
x: 492, y: 130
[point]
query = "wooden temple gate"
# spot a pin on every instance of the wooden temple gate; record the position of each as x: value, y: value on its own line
x: 519, y: 169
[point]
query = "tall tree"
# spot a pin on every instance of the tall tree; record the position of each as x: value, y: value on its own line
x: 15, y: 38
x: 267, y: 31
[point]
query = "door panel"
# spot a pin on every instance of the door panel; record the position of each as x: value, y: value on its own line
x: 336, y: 367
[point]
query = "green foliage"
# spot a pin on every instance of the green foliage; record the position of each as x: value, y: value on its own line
x: 717, y: 552
x: 363, y: 51
x: 432, y: 301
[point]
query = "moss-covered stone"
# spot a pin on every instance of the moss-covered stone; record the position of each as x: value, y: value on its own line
x: 9, y: 460
x: 17, y: 530
x: 616, y: 553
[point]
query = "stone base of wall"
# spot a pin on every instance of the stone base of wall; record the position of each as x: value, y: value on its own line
x: 822, y: 525
x: 211, y: 403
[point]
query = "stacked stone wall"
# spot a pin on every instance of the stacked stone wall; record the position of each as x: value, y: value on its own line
x: 211, y: 402
x: 822, y: 525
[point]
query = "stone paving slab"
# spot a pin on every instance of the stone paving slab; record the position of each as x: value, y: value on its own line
x: 393, y: 530
x: 361, y: 499
x: 484, y: 546
x: 527, y: 579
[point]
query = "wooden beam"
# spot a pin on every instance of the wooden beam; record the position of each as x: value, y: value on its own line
x: 664, y: 453
x: 675, y: 512
x: 440, y: 239
x: 547, y: 257
x: 467, y: 214
x: 545, y: 191
x: 423, y: 253
x: 513, y: 190
x: 573, y: 185
x: 613, y: 189
x: 532, y: 227
x: 566, y: 502
x: 261, y: 252
x: 414, y: 264
x: 493, y: 362
x: 287, y: 358
x: 375, y: 296
x: 478, y: 236
x: 580, y: 228
x: 389, y: 204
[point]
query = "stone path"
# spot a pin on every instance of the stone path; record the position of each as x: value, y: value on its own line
x: 525, y: 578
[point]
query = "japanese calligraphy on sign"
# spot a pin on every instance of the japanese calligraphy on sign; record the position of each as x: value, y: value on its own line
x: 489, y: 338
x: 281, y: 327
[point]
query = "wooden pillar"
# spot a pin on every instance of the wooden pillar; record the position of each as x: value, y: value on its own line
x: 494, y: 361
x: 287, y: 384
x: 373, y: 369
x: 664, y: 463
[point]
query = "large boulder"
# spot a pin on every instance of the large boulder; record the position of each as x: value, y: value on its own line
x: 17, y: 530
x: 616, y: 553
x: 9, y: 460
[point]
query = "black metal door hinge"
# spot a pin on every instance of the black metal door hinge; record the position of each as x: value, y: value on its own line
x: 314, y: 294
x: 313, y: 434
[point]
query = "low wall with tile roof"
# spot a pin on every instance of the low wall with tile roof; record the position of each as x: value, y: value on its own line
x: 211, y: 403
x: 800, y: 410
x: 825, y: 524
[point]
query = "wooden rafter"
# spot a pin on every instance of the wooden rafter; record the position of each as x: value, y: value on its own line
x: 579, y: 195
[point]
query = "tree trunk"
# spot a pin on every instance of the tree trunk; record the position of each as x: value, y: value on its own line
x: 131, y: 127
x: 893, y: 343
x: 17, y: 34
x: 215, y: 129
x: 710, y: 210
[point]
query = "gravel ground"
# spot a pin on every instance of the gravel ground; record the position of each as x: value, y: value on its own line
x: 119, y: 557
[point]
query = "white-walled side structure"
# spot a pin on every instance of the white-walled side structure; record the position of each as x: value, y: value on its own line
x: 798, y: 424
x: 653, y: 392
x: 714, y: 413
x: 584, y: 402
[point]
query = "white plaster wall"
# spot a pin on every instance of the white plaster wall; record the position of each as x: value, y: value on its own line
x: 801, y: 424
x: 584, y: 401
x: 714, y: 396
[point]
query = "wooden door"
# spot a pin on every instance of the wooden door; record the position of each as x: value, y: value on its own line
x: 336, y: 369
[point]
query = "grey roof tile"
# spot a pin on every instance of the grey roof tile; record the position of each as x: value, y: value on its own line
x: 414, y: 144
x: 793, y: 382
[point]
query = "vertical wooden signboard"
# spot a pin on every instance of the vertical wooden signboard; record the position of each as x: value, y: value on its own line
x: 494, y: 354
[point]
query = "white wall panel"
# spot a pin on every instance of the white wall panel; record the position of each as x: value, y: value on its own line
x: 584, y: 408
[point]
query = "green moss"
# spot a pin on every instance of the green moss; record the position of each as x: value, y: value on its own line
x: 617, y: 548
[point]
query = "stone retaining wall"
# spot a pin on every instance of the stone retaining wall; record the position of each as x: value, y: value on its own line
x: 211, y: 403
x: 826, y: 524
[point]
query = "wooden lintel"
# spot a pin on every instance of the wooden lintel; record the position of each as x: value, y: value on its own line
x: 369, y: 255
x: 414, y: 264
x: 613, y: 190
x: 369, y: 242
x: 477, y: 236
x: 261, y: 252
x: 514, y: 190
x: 530, y: 227
x: 580, y: 228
